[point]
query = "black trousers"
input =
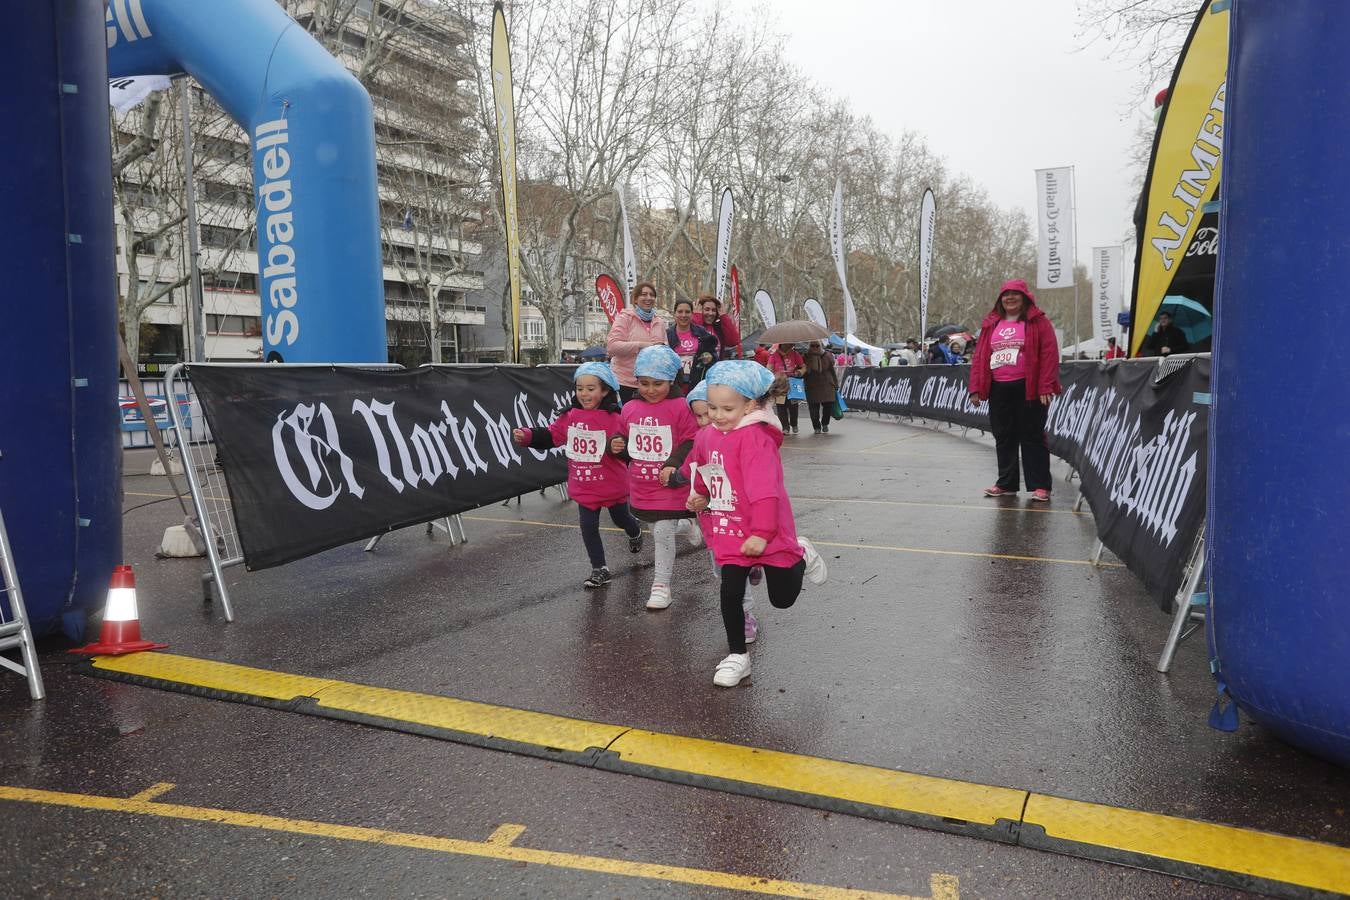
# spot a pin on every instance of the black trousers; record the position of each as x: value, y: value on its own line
x: 783, y: 585
x: 821, y: 413
x: 787, y: 414
x: 590, y: 529
x: 626, y: 393
x: 1018, y: 425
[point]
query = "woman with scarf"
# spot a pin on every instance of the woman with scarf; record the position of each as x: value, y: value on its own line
x: 634, y: 328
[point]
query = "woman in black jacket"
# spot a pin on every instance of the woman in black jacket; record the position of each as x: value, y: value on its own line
x: 695, y: 345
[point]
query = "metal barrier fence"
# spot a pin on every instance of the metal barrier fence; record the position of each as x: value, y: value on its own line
x: 132, y: 423
x: 206, y: 481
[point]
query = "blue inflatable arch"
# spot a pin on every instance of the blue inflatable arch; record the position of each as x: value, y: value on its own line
x: 312, y: 134
x: 1279, y: 545
x: 60, y: 449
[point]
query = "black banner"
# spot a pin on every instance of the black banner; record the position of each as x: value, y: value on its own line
x: 315, y: 457
x: 1133, y: 431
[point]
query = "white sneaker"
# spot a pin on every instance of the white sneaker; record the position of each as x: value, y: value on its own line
x: 816, y: 573
x: 660, y: 597
x: 732, y: 670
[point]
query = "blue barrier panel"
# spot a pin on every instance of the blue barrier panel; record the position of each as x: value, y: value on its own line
x: 1279, y: 546
x: 60, y: 454
x: 312, y: 136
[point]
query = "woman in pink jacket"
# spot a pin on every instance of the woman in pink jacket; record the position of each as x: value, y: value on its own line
x: 787, y: 361
x: 737, y: 483
x: 1016, y: 368
x: 634, y: 328
x: 596, y: 478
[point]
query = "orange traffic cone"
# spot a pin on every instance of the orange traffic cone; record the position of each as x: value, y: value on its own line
x: 121, y: 631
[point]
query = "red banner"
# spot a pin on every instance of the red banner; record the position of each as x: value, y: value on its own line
x: 611, y: 298
x: 735, y: 295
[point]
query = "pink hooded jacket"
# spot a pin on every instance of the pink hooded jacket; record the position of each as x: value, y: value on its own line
x: 748, y: 456
x: 1041, y: 351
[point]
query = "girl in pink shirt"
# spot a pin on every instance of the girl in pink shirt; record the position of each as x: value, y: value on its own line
x: 596, y: 478
x: 737, y: 484
x: 657, y: 431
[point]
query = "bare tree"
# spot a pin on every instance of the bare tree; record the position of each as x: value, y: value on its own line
x: 149, y: 199
x: 1149, y: 32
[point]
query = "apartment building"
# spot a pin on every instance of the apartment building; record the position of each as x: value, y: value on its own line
x: 423, y: 93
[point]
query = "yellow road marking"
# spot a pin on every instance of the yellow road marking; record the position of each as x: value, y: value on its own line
x: 943, y: 887
x: 148, y: 494
x: 1070, y: 826
x: 156, y: 790
x: 975, y: 507
x: 1262, y: 855
x: 1045, y: 559
x: 506, y: 835
x: 818, y: 543
x: 906, y: 453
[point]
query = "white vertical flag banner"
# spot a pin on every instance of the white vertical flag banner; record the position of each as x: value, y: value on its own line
x: 927, y: 232
x: 723, y: 246
x: 128, y: 93
x: 629, y: 258
x: 840, y: 261
x: 815, y: 312
x: 764, y: 303
x: 1054, y: 205
x: 1107, y: 295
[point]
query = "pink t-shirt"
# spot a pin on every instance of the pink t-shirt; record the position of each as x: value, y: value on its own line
x: 687, y: 350
x: 653, y: 431
x: 1006, y: 359
x: 595, y: 477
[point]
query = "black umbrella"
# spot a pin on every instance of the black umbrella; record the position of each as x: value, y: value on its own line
x: 938, y: 331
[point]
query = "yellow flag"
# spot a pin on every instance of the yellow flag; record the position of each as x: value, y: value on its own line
x: 504, y: 105
x: 1184, y: 174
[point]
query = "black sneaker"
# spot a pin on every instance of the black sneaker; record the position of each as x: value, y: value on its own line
x: 599, y: 578
x: 635, y: 543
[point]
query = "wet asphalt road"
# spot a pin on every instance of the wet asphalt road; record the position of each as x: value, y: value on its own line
x: 923, y: 653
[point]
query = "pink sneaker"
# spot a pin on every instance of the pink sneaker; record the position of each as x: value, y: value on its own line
x: 751, y: 628
x: 1041, y: 494
x: 997, y: 491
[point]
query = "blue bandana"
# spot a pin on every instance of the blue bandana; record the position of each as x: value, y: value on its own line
x: 644, y: 314
x: 700, y: 392
x: 746, y: 377
x: 659, y: 362
x: 599, y: 370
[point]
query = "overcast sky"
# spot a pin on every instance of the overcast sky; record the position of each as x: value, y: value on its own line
x: 998, y: 88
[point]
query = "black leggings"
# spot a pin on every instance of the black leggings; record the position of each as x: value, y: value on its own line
x: 787, y: 414
x: 783, y: 586
x: 590, y: 529
x: 1018, y: 424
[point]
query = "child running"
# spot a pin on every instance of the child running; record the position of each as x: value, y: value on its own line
x: 698, y: 405
x: 658, y: 431
x: 596, y: 478
x: 739, y: 481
